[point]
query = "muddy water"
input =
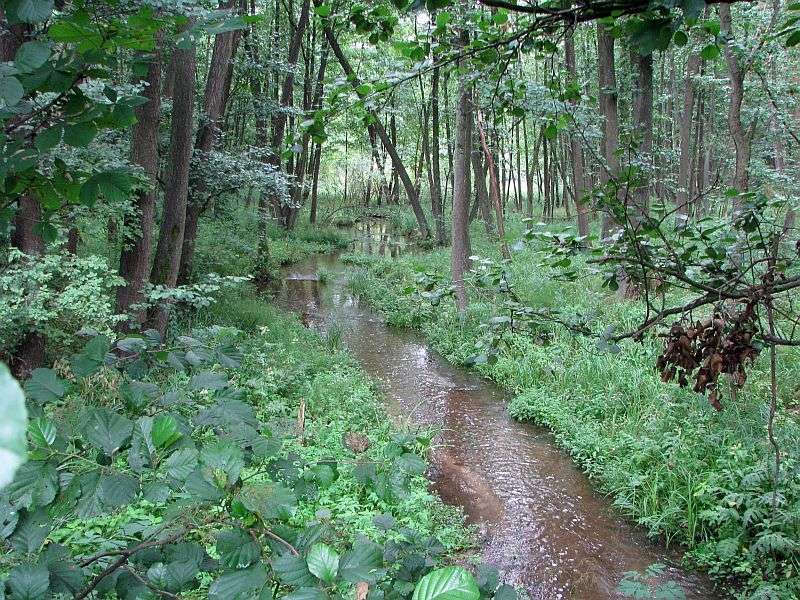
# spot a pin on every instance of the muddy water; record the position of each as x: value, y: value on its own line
x: 542, y: 524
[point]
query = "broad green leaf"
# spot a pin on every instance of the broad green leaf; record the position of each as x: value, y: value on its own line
x: 12, y: 428
x: 270, y: 500
x: 31, y: 56
x: 323, y: 561
x: 30, y: 11
x: 92, y: 357
x: 115, y: 185
x: 11, y: 90
x: 237, y: 549
x: 42, y: 432
x: 182, y: 565
x: 106, y: 429
x: 138, y: 394
x: 65, y: 576
x: 45, y: 386
x: 448, y: 583
x: 35, y: 485
x: 411, y: 463
x: 293, y: 571
x: 357, y: 564
x: 117, y: 490
x: 710, y: 52
x: 223, y: 456
x: 29, y: 582
x: 165, y: 431
x: 505, y: 592
x: 32, y: 530
x: 208, y: 380
x: 239, y: 584
x: 181, y: 463
x: 79, y: 135
x: 49, y: 138
x: 323, y: 10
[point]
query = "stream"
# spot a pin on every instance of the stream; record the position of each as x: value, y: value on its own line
x: 541, y: 523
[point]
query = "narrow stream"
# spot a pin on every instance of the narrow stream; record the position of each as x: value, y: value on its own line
x: 543, y: 526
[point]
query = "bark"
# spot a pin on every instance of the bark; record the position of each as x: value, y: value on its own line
x: 170, y: 241
x: 684, y: 166
x: 435, y: 171
x: 400, y: 169
x: 461, y: 192
x: 214, y: 100
x: 643, y: 125
x: 607, y: 80
x: 481, y: 191
x: 494, y: 189
x: 575, y: 150
x: 134, y: 264
x: 742, y: 139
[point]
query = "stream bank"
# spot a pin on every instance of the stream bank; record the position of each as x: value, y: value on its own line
x: 543, y: 525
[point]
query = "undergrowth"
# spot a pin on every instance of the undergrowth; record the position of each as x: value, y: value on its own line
x: 687, y: 473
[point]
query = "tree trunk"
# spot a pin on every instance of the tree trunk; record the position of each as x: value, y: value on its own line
x: 684, y: 166
x: 576, y: 152
x: 170, y: 240
x: 461, y: 192
x: 207, y: 138
x: 741, y: 139
x: 607, y: 80
x: 435, y: 170
x: 134, y: 263
x: 643, y: 125
x: 400, y: 169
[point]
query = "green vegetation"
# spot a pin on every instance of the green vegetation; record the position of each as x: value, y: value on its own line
x: 688, y: 473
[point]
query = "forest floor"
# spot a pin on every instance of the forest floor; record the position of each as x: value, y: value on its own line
x: 687, y: 473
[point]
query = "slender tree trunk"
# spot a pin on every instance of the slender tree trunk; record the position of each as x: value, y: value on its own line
x: 207, y: 138
x: 134, y: 263
x: 435, y: 170
x: 643, y: 125
x: 575, y: 149
x: 408, y: 185
x: 685, y: 129
x: 170, y: 241
x: 461, y: 192
x: 742, y: 139
x: 494, y: 189
x: 608, y: 108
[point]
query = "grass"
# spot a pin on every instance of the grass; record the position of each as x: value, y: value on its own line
x: 689, y: 474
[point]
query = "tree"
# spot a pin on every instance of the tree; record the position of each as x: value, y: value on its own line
x: 166, y: 263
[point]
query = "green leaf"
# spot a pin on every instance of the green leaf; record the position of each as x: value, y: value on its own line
x: 323, y: 561
x: 42, y: 432
x: 306, y: 593
x: 114, y: 185
x: 35, y: 485
x: 237, y: 549
x: 45, y: 386
x: 30, y: 11
x: 181, y: 463
x: 239, y: 584
x: 11, y: 90
x: 79, y: 135
x: 710, y: 52
x: 31, y: 532
x: 92, y: 357
x: 165, y: 431
x: 411, y: 463
x: 15, y: 424
x: 359, y: 563
x: 65, y: 576
x: 505, y: 592
x: 680, y: 38
x: 117, y: 490
x: 449, y: 583
x: 208, y: 380
x: 269, y: 500
x: 31, y: 56
x: 293, y: 571
x: 49, y: 138
x: 29, y: 582
x: 793, y: 39
x: 223, y: 456
x: 106, y: 430
x: 324, y: 10
x: 138, y: 394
